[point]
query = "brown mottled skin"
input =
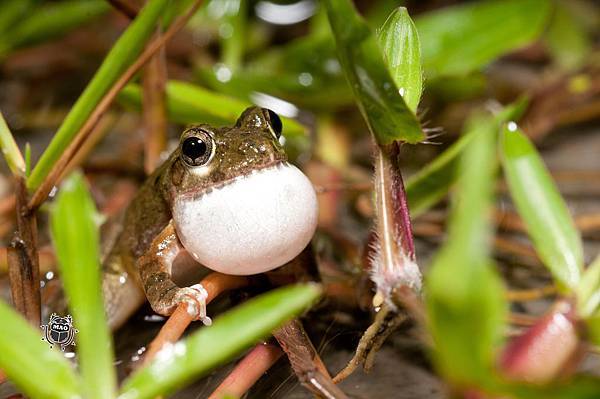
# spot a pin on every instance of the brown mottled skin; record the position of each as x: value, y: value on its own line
x: 248, y: 146
x: 134, y: 270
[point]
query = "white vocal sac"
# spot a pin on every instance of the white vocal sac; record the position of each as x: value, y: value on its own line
x: 252, y: 225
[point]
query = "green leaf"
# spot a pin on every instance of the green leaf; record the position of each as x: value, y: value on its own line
x: 384, y: 109
x: 588, y: 290
x: 464, y: 294
x: 399, y: 42
x: 11, y: 11
x: 10, y: 150
x: 429, y: 185
x: 29, y: 362
x: 542, y: 208
x: 75, y: 234
x: 462, y: 38
x: 567, y: 38
x: 232, y: 32
x: 188, y: 104
x: 211, y: 346
x: 123, y: 53
x: 51, y: 20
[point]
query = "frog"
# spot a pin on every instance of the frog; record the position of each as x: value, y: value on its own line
x: 229, y: 197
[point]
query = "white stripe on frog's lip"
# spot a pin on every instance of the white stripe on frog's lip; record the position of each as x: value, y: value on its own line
x: 253, y: 224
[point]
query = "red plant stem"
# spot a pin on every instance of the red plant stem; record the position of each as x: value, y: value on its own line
x: 545, y: 350
x: 248, y: 371
x: 173, y: 329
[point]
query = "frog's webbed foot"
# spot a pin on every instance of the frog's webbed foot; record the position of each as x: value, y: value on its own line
x: 195, y: 298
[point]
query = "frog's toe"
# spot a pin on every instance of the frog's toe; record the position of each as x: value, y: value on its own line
x: 195, y: 298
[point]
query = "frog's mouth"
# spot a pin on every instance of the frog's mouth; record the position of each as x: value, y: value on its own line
x: 252, y: 224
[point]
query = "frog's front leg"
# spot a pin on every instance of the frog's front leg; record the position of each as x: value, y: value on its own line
x: 155, y: 272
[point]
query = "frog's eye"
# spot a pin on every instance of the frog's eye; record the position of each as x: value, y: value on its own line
x: 195, y: 151
x: 274, y: 122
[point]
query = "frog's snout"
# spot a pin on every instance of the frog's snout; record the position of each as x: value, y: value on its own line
x: 252, y: 225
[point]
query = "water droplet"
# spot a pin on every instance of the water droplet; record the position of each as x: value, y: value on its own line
x: 305, y: 79
x: 512, y: 126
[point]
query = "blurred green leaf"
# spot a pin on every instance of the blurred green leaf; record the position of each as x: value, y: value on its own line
x: 11, y: 12
x: 399, y: 42
x: 232, y: 32
x: 463, y: 38
x: 76, y: 241
x: 308, y: 74
x: 30, y: 363
x: 207, y: 348
x: 567, y: 38
x: 429, y: 185
x: 542, y: 208
x: 588, y: 290
x: 51, y: 20
x: 464, y: 294
x: 384, y: 109
x: 188, y: 104
x: 123, y: 53
x: 10, y: 150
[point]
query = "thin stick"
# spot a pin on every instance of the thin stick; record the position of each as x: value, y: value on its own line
x: 248, y: 371
x: 173, y: 329
x: 52, y: 179
x: 23, y: 261
x: 531, y: 294
x: 154, y: 81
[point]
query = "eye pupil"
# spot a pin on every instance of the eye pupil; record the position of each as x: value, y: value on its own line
x: 275, y: 121
x: 194, y: 148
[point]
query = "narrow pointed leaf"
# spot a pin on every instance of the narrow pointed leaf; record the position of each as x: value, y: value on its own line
x: 29, y: 363
x: 429, y: 185
x: 399, y: 42
x: 189, y: 104
x: 123, y: 53
x: 230, y: 333
x: 10, y: 150
x: 542, y: 208
x: 464, y: 294
x: 382, y: 106
x: 463, y: 38
x: 588, y: 290
x: 75, y: 235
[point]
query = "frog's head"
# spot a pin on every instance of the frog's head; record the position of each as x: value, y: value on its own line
x: 238, y: 206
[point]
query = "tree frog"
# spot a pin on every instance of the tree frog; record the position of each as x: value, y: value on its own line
x: 229, y: 197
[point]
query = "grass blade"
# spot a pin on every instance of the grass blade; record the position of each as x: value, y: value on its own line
x: 429, y: 185
x: 75, y: 234
x: 399, y: 42
x: 188, y: 104
x: 30, y: 363
x: 384, y: 109
x: 460, y: 39
x: 10, y: 150
x: 542, y: 208
x: 464, y: 293
x: 123, y: 53
x: 229, y: 335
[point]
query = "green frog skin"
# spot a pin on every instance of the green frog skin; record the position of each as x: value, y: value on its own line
x: 229, y: 198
